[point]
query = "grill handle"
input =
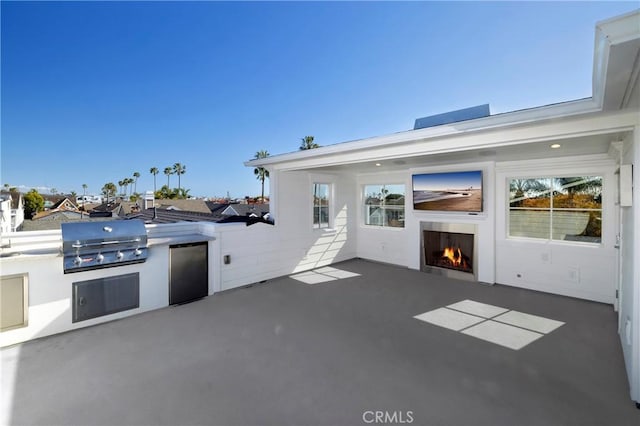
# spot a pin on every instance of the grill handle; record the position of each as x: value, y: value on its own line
x: 105, y: 243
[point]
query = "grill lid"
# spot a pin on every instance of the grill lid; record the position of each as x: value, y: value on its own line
x: 93, y: 245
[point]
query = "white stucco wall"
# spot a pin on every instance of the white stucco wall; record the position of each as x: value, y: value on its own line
x: 629, y: 313
x: 382, y: 244
x: 50, y: 292
x: 566, y: 268
x: 401, y: 246
x: 484, y: 220
x: 574, y: 269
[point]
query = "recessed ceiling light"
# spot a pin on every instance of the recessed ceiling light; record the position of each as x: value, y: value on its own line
x: 555, y: 145
x: 378, y: 164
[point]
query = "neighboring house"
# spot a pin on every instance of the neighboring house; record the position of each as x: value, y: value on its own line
x: 62, y: 205
x: 117, y: 209
x: 66, y: 205
x: 87, y: 207
x: 389, y: 212
x: 51, y: 200
x: 89, y: 199
x: 580, y: 247
x: 17, y: 213
x: 17, y: 209
x: 5, y: 214
x: 216, y: 208
x: 53, y: 220
x: 58, y: 214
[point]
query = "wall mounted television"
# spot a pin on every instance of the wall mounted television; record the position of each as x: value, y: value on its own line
x: 448, y: 192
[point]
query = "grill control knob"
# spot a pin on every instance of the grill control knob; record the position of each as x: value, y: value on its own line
x: 77, y: 261
x: 100, y: 258
x: 119, y: 255
x: 138, y: 252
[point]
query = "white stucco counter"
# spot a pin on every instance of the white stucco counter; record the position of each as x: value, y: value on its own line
x: 48, y: 296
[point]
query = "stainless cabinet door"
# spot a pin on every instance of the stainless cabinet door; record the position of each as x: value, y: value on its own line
x: 188, y: 272
x: 104, y: 296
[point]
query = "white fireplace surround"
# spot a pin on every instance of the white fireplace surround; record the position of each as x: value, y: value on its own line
x: 463, y: 228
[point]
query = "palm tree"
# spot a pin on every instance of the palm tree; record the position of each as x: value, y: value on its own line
x: 129, y: 182
x: 120, y: 185
x: 108, y: 190
x: 308, y: 143
x: 168, y: 171
x: 136, y: 175
x: 260, y: 172
x: 183, y: 193
x: 154, y: 171
x: 179, y: 169
x: 84, y: 196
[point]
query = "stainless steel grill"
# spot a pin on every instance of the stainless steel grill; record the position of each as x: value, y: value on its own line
x: 95, y: 245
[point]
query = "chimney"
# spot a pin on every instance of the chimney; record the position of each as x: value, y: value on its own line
x: 149, y: 200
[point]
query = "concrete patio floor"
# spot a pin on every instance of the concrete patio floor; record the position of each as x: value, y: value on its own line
x: 289, y: 353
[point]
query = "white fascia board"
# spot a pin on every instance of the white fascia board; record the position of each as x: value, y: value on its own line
x: 600, y: 65
x: 565, y: 109
x: 620, y: 29
x: 610, y: 32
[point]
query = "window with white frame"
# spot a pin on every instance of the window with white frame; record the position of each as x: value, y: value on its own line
x: 556, y: 208
x: 321, y: 198
x: 384, y: 205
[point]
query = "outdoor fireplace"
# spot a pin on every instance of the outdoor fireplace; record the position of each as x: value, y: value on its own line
x: 449, y: 249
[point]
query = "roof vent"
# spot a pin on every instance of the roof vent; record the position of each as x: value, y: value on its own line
x: 465, y: 114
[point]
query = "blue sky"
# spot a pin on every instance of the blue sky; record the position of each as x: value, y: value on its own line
x: 92, y: 92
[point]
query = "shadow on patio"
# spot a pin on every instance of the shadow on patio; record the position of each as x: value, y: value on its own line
x: 287, y: 352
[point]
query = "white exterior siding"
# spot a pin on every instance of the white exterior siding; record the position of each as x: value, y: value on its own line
x: 261, y: 252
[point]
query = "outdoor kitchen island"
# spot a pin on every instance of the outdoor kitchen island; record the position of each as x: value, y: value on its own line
x: 55, y: 299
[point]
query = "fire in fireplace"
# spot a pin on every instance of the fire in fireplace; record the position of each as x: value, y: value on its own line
x: 449, y: 250
x: 453, y: 257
